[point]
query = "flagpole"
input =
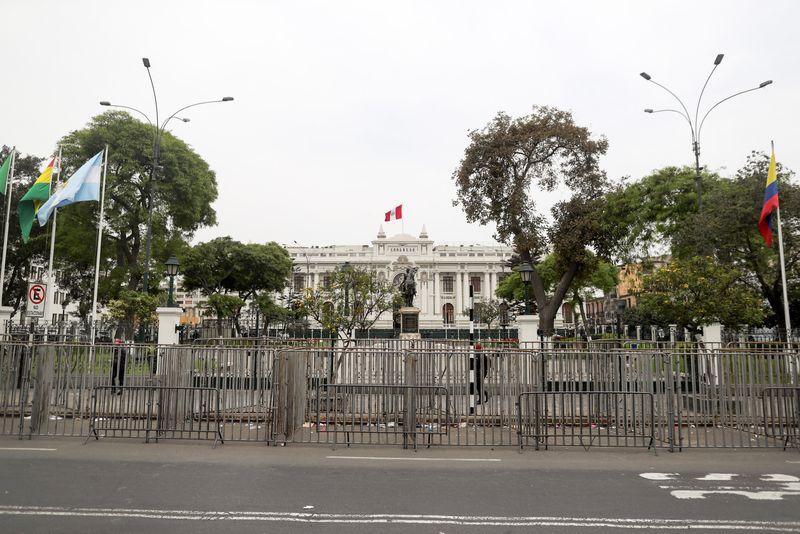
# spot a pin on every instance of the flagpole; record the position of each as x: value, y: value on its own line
x: 99, y: 244
x: 50, y: 282
x: 783, y: 267
x: 7, y: 192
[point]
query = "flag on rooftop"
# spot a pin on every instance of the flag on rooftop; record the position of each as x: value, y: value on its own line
x: 4, y: 173
x: 82, y: 186
x: 396, y: 213
x: 770, y: 202
x: 33, y: 199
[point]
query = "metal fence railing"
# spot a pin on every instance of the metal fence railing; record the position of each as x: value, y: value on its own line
x: 156, y: 412
x: 703, y: 396
x: 379, y: 414
x: 586, y: 418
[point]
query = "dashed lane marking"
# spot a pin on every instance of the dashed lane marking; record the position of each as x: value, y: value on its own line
x: 400, y: 458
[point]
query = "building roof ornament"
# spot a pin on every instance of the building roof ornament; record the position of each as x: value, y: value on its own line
x: 381, y: 234
x: 423, y: 233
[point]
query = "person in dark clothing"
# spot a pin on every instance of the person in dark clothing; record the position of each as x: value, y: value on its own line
x: 481, y: 370
x: 118, y: 357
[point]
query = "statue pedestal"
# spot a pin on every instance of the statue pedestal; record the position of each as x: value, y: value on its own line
x: 409, y: 323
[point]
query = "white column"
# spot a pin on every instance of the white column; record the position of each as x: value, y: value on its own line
x: 465, y: 289
x: 437, y: 297
x: 458, y: 289
x: 168, y: 319
x: 5, y: 317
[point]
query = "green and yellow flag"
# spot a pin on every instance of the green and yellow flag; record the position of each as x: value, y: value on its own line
x: 33, y: 199
x: 4, y: 173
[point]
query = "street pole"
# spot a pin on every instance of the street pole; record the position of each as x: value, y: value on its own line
x: 696, y: 126
x: 158, y: 131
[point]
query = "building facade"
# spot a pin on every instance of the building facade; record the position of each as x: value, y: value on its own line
x: 444, y: 272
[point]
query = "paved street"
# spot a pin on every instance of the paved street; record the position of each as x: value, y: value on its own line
x: 54, y: 485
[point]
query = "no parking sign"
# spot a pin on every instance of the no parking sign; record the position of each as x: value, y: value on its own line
x: 37, y: 294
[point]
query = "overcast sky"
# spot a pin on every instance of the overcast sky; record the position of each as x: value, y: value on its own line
x: 344, y: 109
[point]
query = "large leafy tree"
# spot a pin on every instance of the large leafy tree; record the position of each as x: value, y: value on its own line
x: 354, y: 299
x: 505, y: 168
x: 227, y: 268
x: 19, y: 255
x: 184, y: 189
x: 660, y: 210
x: 699, y: 291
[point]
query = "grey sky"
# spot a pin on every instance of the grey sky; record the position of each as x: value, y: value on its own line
x: 345, y: 109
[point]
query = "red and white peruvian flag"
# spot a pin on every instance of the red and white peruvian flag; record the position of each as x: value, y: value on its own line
x: 396, y: 213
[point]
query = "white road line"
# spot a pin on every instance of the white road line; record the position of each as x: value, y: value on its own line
x: 505, y: 521
x: 24, y: 449
x: 718, y: 476
x: 414, y: 459
x: 658, y: 476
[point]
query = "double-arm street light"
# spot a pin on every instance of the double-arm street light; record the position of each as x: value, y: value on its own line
x: 158, y: 131
x: 696, y: 126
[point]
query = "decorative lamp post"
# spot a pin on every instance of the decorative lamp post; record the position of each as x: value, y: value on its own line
x: 172, y: 265
x: 158, y: 131
x: 696, y: 126
x: 526, y: 273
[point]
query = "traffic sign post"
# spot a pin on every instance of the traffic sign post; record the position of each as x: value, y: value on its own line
x: 37, y: 298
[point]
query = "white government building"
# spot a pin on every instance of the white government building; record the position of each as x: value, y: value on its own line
x: 444, y: 274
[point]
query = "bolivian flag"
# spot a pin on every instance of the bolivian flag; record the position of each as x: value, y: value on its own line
x: 33, y: 199
x: 770, y: 202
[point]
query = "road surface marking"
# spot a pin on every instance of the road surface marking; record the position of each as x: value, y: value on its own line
x: 414, y: 459
x: 418, y: 519
x: 767, y: 487
x: 659, y: 476
x: 718, y: 476
x: 24, y: 449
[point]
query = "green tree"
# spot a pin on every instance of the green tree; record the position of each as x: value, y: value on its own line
x: 594, y: 276
x: 224, y: 267
x: 19, y: 255
x: 699, y: 291
x: 132, y: 310
x: 487, y: 311
x: 662, y: 209
x: 183, y: 193
x: 355, y: 299
x: 496, y: 181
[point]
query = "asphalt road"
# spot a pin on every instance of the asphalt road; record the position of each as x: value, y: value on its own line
x: 127, y: 486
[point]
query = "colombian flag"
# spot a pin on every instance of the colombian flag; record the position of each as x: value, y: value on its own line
x: 770, y: 202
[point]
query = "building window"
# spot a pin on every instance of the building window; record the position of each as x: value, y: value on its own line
x: 447, y: 283
x: 299, y: 282
x: 447, y: 314
x: 475, y: 281
x: 326, y: 281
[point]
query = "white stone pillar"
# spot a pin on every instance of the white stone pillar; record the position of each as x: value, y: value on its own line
x: 458, y: 288
x: 712, y: 333
x: 528, y: 328
x: 168, y: 319
x: 5, y: 318
x: 437, y: 298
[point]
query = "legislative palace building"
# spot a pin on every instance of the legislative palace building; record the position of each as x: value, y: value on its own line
x: 444, y: 272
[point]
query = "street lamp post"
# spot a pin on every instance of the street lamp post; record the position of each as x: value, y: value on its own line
x: 158, y: 130
x: 172, y: 265
x: 696, y: 126
x: 526, y: 273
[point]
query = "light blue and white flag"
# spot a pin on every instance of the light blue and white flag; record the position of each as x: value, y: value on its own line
x: 82, y: 186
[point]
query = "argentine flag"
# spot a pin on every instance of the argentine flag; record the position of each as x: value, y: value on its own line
x: 81, y: 186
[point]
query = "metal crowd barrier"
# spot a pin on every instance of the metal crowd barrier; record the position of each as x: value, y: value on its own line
x: 586, y: 418
x: 157, y: 411
x: 782, y: 414
x: 380, y: 413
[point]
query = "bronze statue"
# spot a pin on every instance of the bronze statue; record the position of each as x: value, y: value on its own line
x: 409, y: 287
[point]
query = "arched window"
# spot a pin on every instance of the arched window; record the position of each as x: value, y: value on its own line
x: 447, y: 314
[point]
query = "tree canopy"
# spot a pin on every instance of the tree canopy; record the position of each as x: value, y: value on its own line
x: 498, y: 181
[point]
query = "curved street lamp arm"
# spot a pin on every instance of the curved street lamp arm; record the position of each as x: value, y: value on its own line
x: 681, y: 103
x: 673, y: 111
x: 164, y: 125
x: 720, y: 102
x: 142, y: 113
x: 697, y: 110
x: 155, y: 99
